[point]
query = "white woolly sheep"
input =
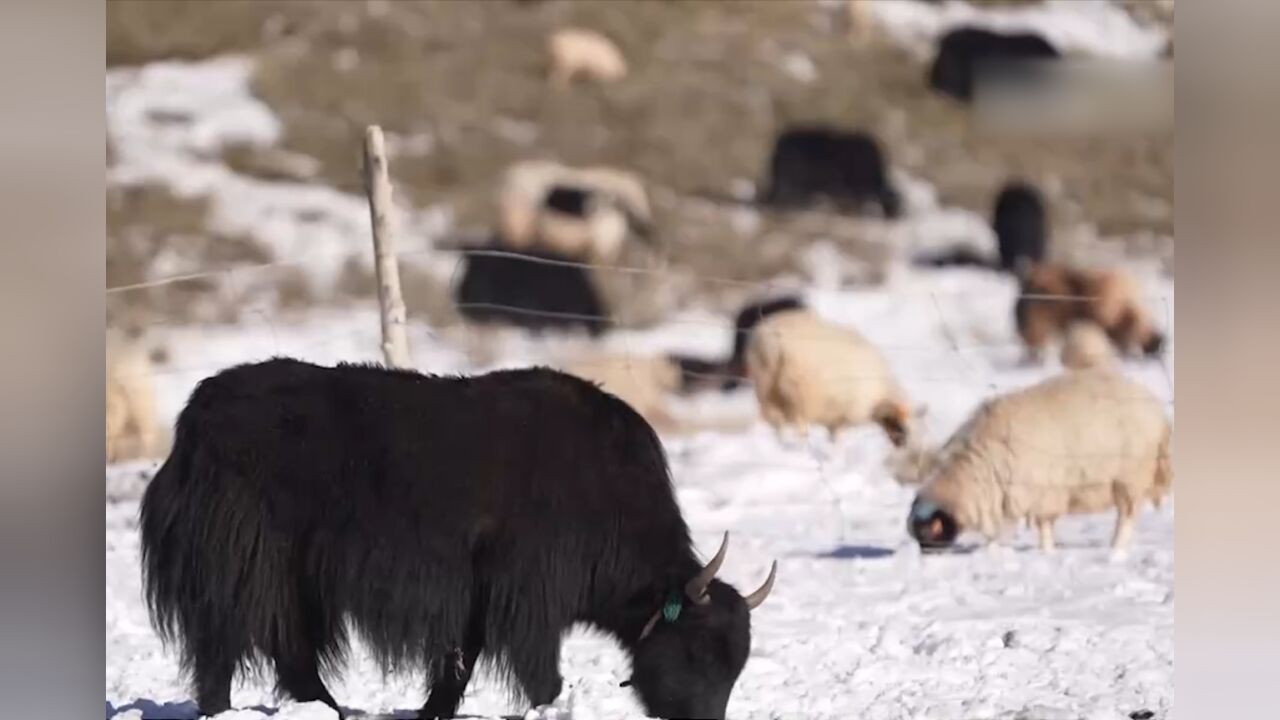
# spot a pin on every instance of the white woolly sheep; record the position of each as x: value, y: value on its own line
x: 580, y: 213
x: 1080, y: 442
x: 1087, y: 346
x: 577, y: 51
x: 132, y: 430
x: 644, y: 383
x: 808, y: 371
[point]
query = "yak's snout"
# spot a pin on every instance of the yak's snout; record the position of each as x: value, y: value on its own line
x: 931, y: 526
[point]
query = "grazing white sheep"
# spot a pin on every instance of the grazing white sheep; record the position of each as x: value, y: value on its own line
x: 132, y: 429
x: 1080, y: 442
x: 614, y: 204
x: 1087, y: 346
x: 645, y: 383
x: 578, y: 51
x: 808, y: 371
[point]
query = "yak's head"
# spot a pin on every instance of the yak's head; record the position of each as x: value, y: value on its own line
x: 932, y: 527
x: 693, y: 648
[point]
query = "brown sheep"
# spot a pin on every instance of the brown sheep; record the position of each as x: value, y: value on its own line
x: 1053, y: 296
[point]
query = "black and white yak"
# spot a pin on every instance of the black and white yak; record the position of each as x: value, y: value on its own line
x: 448, y: 520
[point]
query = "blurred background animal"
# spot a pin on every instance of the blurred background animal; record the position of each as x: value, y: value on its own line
x: 646, y: 383
x: 1019, y: 221
x: 535, y: 290
x: 133, y: 430
x: 968, y: 57
x: 1086, y: 346
x: 813, y: 163
x: 578, y: 52
x: 729, y: 373
x: 808, y: 371
x: 585, y: 214
x: 1053, y: 295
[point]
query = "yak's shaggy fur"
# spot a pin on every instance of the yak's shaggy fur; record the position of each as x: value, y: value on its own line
x: 299, y: 499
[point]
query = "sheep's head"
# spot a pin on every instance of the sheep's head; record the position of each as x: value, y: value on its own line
x: 899, y: 421
x: 932, y: 527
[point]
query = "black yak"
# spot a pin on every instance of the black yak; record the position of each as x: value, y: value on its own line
x: 534, y: 289
x: 969, y: 56
x: 1018, y: 219
x: 299, y: 500
x: 847, y: 168
x: 697, y: 374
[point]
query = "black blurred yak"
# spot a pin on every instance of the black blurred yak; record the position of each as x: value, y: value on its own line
x: 847, y: 168
x: 969, y: 56
x: 1019, y: 220
x: 533, y: 289
x: 698, y: 374
x: 300, y: 498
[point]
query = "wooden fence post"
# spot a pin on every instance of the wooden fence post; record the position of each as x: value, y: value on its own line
x: 395, y: 343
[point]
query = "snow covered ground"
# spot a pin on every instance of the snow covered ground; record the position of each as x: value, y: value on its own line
x: 859, y: 624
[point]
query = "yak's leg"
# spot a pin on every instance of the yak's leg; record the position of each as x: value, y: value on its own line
x: 453, y: 672
x: 213, y: 674
x: 537, y: 670
x: 298, y: 675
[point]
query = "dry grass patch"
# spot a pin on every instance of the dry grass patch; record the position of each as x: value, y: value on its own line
x: 460, y: 88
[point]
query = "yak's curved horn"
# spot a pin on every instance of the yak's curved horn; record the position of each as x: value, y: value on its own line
x: 756, y: 598
x: 696, y: 588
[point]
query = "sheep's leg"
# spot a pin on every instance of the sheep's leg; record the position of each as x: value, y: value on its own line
x: 1045, y: 527
x: 1126, y: 515
x: 1123, y: 537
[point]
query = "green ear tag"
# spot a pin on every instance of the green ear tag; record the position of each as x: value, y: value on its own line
x: 671, y: 610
